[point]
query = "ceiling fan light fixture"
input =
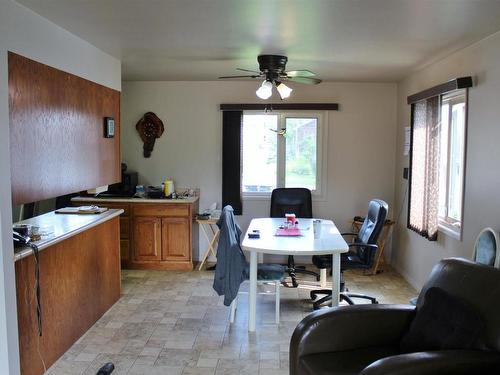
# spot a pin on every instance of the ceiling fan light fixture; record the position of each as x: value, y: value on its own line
x: 283, y: 90
x: 265, y: 90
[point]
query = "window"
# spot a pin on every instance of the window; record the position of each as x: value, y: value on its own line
x: 438, y: 164
x: 281, y: 150
x: 451, y: 162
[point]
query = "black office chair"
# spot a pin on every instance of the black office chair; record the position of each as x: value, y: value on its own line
x: 293, y: 201
x: 361, y: 254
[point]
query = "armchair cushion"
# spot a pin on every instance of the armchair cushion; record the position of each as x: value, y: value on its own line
x: 443, y: 362
x: 344, y: 362
x: 358, y: 329
x: 443, y: 322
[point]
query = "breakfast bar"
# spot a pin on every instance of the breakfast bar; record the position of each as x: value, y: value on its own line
x: 79, y: 281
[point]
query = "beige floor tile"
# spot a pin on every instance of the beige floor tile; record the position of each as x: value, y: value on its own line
x: 173, y: 323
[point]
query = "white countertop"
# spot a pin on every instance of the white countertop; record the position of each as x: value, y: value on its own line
x: 330, y: 241
x: 65, y: 226
x: 134, y: 200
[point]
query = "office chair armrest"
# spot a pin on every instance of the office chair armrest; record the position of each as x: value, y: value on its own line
x: 348, y: 327
x: 361, y: 244
x: 444, y: 362
x: 348, y: 234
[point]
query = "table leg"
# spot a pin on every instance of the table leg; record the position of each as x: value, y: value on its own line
x: 252, y: 295
x: 335, y: 279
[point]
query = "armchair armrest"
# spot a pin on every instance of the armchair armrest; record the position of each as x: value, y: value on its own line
x: 348, y: 327
x: 445, y: 362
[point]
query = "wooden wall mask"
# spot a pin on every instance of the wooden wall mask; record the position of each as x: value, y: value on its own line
x: 149, y: 127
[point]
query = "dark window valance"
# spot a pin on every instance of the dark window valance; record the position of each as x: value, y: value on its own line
x: 279, y: 106
x: 443, y: 88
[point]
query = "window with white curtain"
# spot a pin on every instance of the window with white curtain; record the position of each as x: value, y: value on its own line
x: 438, y: 164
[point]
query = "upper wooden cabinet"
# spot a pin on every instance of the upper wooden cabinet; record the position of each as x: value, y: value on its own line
x: 57, y: 145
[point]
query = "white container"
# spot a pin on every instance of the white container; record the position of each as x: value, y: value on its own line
x: 317, y: 228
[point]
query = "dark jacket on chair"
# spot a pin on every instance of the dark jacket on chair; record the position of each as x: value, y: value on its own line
x: 231, y: 263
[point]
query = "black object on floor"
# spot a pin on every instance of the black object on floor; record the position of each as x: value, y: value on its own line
x: 106, y: 369
x: 212, y: 268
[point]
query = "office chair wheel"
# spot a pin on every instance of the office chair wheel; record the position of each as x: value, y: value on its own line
x: 313, y: 295
x: 318, y: 278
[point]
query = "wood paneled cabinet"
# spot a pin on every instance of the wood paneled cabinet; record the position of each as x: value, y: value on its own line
x: 147, y: 238
x: 155, y: 235
x: 175, y: 239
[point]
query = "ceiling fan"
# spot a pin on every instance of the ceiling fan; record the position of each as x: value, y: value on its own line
x: 272, y: 70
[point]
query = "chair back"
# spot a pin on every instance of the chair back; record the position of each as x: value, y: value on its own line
x: 291, y: 201
x: 231, y: 263
x: 479, y: 286
x: 371, y: 229
x: 486, y: 248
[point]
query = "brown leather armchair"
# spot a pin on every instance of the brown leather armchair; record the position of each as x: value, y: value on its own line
x: 365, y: 339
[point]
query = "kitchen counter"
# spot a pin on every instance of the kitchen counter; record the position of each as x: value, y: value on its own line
x: 93, y: 200
x: 65, y: 226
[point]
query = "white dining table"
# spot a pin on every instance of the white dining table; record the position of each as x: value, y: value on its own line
x: 329, y: 242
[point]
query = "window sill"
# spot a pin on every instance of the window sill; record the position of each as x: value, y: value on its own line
x: 450, y: 230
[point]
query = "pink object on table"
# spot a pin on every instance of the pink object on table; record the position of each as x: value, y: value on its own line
x: 288, y: 232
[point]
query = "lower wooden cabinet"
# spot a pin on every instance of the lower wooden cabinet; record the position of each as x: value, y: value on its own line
x: 154, y: 235
x: 175, y: 239
x: 147, y: 238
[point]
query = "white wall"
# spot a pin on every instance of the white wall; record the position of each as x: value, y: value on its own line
x: 361, y: 140
x: 30, y: 35
x: 412, y: 255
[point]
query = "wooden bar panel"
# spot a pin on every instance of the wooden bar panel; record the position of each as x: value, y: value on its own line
x: 80, y: 281
x: 57, y: 141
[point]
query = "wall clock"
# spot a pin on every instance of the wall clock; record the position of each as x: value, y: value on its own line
x: 150, y: 127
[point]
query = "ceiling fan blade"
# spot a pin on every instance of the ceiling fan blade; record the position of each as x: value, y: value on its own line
x: 306, y: 80
x: 247, y: 70
x: 300, y: 73
x: 253, y: 76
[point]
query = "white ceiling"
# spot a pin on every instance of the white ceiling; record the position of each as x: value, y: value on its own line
x: 348, y: 40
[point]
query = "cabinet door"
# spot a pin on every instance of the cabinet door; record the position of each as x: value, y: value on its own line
x: 147, y: 238
x: 176, y: 244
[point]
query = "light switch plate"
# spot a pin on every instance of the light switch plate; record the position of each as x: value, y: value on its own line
x: 109, y: 127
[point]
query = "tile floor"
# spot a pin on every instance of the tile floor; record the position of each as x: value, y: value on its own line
x: 174, y: 323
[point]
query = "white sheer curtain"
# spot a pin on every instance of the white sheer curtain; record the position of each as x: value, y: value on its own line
x: 424, y: 181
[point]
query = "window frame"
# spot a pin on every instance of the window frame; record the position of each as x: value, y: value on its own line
x: 321, y: 152
x: 446, y: 224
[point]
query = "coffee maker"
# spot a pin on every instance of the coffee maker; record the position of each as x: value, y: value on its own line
x: 126, y: 188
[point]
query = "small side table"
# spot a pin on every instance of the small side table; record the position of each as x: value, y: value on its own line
x: 212, y: 236
x: 382, y: 240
